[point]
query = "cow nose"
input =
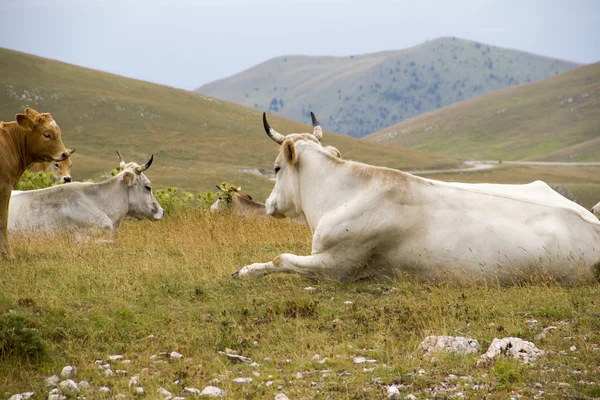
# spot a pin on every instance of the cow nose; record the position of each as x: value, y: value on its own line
x: 66, y: 179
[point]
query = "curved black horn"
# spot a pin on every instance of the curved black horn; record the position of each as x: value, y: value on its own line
x: 122, y: 162
x: 317, y: 131
x: 144, y: 167
x: 72, y: 151
x: 273, y: 134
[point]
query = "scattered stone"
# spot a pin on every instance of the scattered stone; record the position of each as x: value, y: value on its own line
x: 190, y: 390
x: 255, y: 365
x: 531, y: 323
x: 215, y: 382
x: 164, y: 392
x: 236, y: 357
x: 121, y: 372
x: 269, y: 383
x: 83, y: 385
x: 422, y: 372
x: 572, y: 348
x: 139, y: 390
x: 134, y: 381
x: 242, y: 381
x: 393, y: 392
x: 299, y: 375
x: 411, y: 397
x: 115, y: 357
x: 281, y: 396
x: 176, y: 355
x: 517, y: 348
x: 178, y: 398
x: 120, y: 396
x: 105, y: 366
x: 316, y: 357
x: 212, y: 391
x: 359, y: 360
x: 309, y: 288
x: 323, y: 361
x: 68, y: 386
x: 126, y: 361
x: 348, y: 302
x: 449, y: 344
x: 368, y: 369
x: 109, y: 372
x: 68, y: 372
x: 544, y: 332
x: 17, y: 396
x: 104, y: 389
x: 52, y: 381
x: 99, y: 362
x: 255, y: 373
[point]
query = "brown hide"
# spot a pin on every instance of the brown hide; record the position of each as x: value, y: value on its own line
x: 33, y: 137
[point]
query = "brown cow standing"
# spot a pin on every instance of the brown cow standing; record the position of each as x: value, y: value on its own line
x: 33, y: 137
x: 61, y: 170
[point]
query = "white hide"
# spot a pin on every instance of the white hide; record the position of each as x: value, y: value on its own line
x: 377, y: 222
x: 82, y: 205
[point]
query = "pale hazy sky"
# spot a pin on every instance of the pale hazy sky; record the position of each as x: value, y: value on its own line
x: 185, y: 43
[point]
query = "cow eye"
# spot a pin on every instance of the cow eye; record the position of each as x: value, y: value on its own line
x: 47, y: 135
x: 277, y: 169
x: 56, y: 165
x: 149, y: 188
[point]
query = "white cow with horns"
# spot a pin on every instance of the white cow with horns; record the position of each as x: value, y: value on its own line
x: 86, y: 206
x: 374, y: 222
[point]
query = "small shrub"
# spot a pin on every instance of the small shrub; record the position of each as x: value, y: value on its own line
x: 35, y: 180
x: 174, y: 200
x: 18, y: 339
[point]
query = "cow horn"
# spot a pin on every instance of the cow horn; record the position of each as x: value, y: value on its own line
x: 122, y: 162
x: 317, y: 131
x: 144, y: 167
x: 220, y: 188
x: 273, y: 134
x: 72, y: 151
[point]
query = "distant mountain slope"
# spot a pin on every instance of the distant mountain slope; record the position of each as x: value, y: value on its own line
x: 556, y: 119
x: 197, y: 141
x: 361, y: 94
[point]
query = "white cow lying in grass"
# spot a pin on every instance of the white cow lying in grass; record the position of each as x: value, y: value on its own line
x: 378, y: 222
x: 86, y: 206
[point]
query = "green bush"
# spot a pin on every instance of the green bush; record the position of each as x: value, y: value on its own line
x: 35, y: 180
x: 19, y: 339
x: 174, y: 200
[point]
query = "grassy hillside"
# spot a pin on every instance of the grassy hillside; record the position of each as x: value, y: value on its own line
x: 166, y: 286
x: 197, y: 141
x: 361, y: 94
x: 556, y: 119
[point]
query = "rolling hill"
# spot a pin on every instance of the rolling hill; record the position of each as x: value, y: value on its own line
x: 361, y: 94
x: 197, y: 141
x: 556, y: 119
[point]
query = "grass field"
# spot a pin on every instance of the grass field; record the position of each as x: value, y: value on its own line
x: 363, y: 93
x: 555, y: 119
x: 166, y: 286
x: 197, y: 141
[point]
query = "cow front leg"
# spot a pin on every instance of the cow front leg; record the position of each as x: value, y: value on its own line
x: 5, y: 252
x: 316, y: 266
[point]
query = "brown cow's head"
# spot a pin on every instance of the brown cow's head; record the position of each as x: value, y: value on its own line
x: 62, y: 169
x: 43, y: 137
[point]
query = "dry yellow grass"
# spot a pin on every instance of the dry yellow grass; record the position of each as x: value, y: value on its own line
x: 171, y: 279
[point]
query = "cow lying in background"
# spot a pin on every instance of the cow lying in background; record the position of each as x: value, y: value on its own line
x: 382, y: 223
x: 232, y: 200
x: 86, y: 206
x: 61, y: 170
x: 33, y: 137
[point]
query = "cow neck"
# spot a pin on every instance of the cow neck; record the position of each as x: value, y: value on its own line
x: 17, y: 139
x: 111, y: 196
x: 323, y: 184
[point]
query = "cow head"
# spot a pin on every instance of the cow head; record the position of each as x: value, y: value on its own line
x: 224, y: 198
x: 284, y: 200
x: 43, y: 137
x: 62, y: 169
x: 142, y: 203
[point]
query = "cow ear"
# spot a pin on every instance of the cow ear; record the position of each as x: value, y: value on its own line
x: 289, y: 151
x: 24, y: 121
x: 31, y: 113
x: 129, y: 178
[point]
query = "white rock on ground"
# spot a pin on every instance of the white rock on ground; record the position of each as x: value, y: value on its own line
x: 393, y: 392
x: 69, y: 386
x: 139, y: 390
x: 108, y: 372
x: 191, y: 390
x: 17, y: 396
x: 212, y: 391
x: 68, y: 372
x: 104, y: 389
x: 242, y: 381
x: 236, y: 357
x: 281, y: 396
x: 176, y: 355
x: 164, y: 392
x: 52, y: 381
x: 120, y: 396
x: 410, y: 397
x: 544, y: 332
x: 359, y: 360
x: 134, y: 381
x: 83, y: 385
x: 449, y: 344
x: 115, y: 357
x: 515, y: 347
